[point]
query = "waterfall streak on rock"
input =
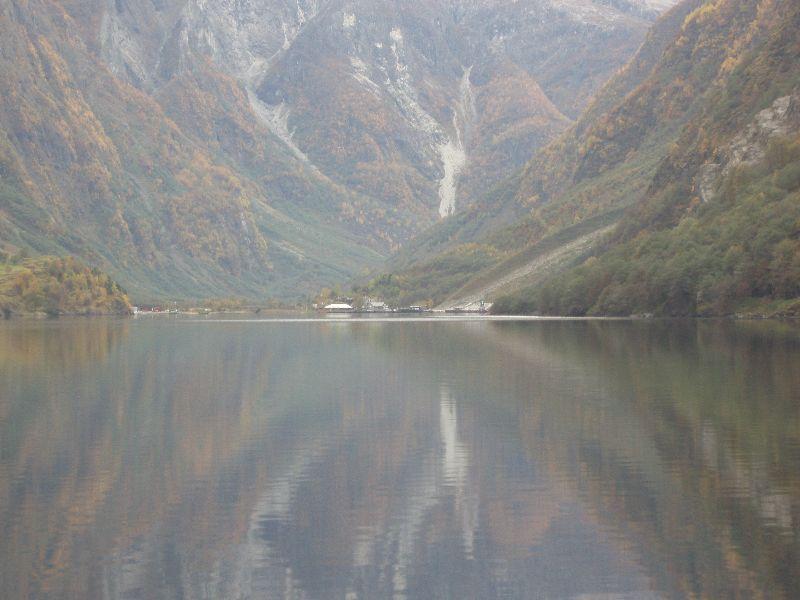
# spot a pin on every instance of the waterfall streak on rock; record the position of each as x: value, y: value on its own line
x: 453, y: 152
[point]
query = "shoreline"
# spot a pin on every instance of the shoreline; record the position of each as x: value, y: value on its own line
x: 314, y: 317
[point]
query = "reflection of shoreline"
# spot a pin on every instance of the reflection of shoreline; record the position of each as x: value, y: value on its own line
x: 93, y: 449
x: 61, y: 343
x: 674, y: 458
x: 253, y: 459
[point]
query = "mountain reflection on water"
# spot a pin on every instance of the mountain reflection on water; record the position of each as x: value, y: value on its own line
x: 168, y: 458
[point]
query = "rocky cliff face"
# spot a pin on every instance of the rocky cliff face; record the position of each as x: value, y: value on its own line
x: 258, y: 147
x: 400, y: 102
x: 750, y: 146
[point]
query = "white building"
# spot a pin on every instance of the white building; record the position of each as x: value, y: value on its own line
x: 339, y: 308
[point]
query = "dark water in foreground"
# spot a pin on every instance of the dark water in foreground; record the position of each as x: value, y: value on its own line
x: 163, y: 458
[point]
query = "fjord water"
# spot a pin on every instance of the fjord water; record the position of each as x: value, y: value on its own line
x: 180, y: 458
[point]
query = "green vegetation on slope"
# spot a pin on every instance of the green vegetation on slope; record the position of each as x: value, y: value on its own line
x: 57, y: 286
x: 181, y: 194
x: 717, y: 232
x: 430, y: 282
x: 737, y: 253
x: 605, y: 162
x: 174, y: 163
x: 678, y: 145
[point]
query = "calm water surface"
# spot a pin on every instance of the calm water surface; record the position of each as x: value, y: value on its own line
x: 176, y: 458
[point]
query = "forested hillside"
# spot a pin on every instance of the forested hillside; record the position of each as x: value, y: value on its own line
x: 94, y: 167
x: 718, y: 231
x: 57, y: 286
x: 650, y: 202
x: 265, y: 148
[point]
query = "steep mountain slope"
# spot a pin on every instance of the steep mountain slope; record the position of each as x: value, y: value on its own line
x: 719, y: 228
x: 267, y: 147
x: 641, y: 144
x: 95, y: 167
x: 554, y: 177
x: 387, y: 97
x: 548, y: 194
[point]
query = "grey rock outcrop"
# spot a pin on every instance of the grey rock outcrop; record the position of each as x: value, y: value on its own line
x: 750, y: 146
